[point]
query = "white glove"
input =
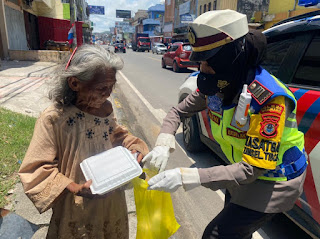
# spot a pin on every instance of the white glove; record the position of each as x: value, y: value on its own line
x: 171, y: 180
x: 168, y: 181
x: 158, y: 158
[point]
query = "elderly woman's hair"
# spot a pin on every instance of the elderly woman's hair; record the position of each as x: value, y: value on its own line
x: 86, y: 62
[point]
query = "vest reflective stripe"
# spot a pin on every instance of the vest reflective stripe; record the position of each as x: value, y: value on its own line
x: 291, y: 121
x: 292, y: 116
x: 291, y: 124
x: 232, y: 142
x: 277, y: 174
x: 291, y: 135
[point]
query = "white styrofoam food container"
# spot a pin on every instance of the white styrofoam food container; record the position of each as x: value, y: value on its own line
x: 110, y: 169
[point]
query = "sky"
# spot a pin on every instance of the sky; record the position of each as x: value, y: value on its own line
x: 104, y: 22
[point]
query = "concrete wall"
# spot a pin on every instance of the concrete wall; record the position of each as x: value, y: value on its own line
x: 220, y: 5
x: 249, y: 7
x: 277, y: 6
x: 15, y: 29
x: 39, y: 55
x: 48, y: 8
x: 227, y: 4
x: 280, y: 10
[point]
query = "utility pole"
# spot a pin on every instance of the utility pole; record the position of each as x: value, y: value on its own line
x: 72, y: 21
x: 4, y: 46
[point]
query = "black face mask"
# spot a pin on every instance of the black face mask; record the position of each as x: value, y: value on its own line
x: 229, y: 66
x: 210, y: 84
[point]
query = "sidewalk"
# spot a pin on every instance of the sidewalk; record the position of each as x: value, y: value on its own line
x: 24, y: 86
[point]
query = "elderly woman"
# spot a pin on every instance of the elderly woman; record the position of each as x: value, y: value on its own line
x: 79, y: 124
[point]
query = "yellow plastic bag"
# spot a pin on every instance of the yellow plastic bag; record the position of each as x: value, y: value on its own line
x: 155, y: 213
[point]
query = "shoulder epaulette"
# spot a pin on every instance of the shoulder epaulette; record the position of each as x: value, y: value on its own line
x: 259, y: 92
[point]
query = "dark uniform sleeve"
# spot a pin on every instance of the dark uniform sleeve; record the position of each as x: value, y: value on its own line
x: 192, y: 104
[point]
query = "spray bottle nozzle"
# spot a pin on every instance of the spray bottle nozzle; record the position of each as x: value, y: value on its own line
x: 244, y: 89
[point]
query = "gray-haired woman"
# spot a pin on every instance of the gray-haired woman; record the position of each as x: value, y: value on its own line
x: 79, y: 124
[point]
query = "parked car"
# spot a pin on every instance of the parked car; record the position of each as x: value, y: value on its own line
x: 159, y: 48
x: 293, y: 55
x: 119, y: 47
x: 178, y: 57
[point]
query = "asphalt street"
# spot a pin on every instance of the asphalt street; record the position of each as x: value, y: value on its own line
x: 157, y: 89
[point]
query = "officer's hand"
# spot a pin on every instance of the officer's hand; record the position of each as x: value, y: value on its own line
x: 158, y: 158
x: 171, y: 180
x: 168, y: 181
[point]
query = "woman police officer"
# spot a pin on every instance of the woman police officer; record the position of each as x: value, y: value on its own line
x: 266, y: 153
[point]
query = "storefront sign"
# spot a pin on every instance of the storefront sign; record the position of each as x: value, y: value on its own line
x: 123, y: 13
x: 184, y: 8
x: 168, y: 27
x: 98, y: 10
x: 187, y: 18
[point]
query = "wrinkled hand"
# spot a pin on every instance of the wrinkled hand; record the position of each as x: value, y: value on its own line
x: 80, y: 189
x: 168, y: 181
x: 139, y: 155
x: 158, y: 158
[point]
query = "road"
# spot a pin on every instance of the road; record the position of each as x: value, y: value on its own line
x: 194, y: 209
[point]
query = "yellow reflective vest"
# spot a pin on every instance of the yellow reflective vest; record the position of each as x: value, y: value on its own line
x: 269, y: 140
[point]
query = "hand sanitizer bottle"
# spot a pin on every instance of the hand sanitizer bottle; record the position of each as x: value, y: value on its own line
x: 243, y: 107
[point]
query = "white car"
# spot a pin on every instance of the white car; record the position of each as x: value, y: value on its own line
x: 159, y: 48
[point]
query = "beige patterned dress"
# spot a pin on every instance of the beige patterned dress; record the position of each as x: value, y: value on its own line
x: 62, y: 139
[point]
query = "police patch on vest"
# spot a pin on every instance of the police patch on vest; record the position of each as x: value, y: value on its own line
x: 213, y: 117
x: 261, y: 149
x: 233, y: 133
x: 259, y: 92
x: 270, y: 115
x: 214, y: 103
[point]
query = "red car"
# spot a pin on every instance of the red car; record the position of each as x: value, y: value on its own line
x: 177, y: 56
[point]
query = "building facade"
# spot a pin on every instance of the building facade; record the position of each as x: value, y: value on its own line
x: 168, y: 20
x: 139, y: 16
x: 21, y: 25
x: 280, y: 10
x: 185, y: 12
x: 154, y: 24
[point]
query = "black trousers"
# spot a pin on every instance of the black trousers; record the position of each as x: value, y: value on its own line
x: 235, y: 222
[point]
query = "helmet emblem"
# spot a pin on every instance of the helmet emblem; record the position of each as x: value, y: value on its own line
x: 191, y: 36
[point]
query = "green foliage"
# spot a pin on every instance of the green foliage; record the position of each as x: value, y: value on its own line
x: 16, y: 132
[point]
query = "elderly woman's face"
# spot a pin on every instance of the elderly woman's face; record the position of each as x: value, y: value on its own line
x: 95, y: 92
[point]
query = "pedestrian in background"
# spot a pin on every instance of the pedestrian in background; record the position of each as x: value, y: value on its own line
x: 262, y: 143
x: 79, y: 124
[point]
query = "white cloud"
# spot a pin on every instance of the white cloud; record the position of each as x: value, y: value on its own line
x: 104, y: 22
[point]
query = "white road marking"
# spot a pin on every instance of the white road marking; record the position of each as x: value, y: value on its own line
x: 159, y: 114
